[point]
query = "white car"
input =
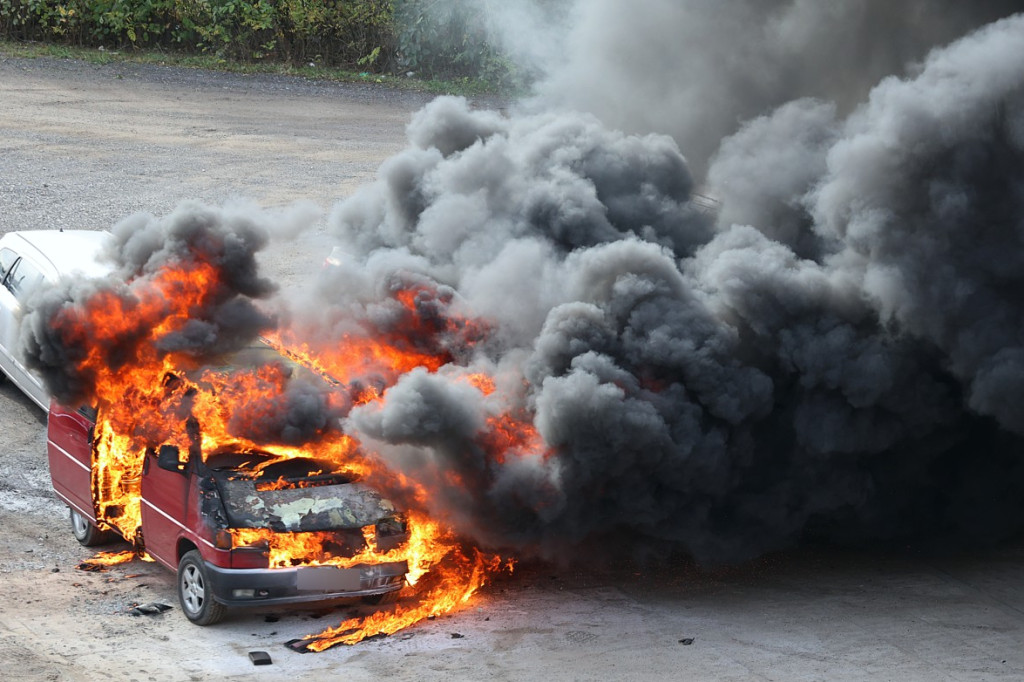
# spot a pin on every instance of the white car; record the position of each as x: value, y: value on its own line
x: 29, y: 261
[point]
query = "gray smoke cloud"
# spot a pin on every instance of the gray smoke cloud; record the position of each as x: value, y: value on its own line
x: 697, y: 69
x: 84, y: 328
x: 300, y: 413
x: 221, y: 327
x: 199, y: 235
x: 928, y: 207
x: 835, y: 352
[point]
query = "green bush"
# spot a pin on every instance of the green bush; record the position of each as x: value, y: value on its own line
x: 434, y: 38
x: 128, y: 22
x: 294, y: 31
x: 447, y: 39
x: 339, y: 32
x: 360, y: 33
x: 231, y: 29
x: 41, y: 20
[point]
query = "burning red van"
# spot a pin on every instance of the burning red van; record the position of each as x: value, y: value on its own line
x: 213, y: 518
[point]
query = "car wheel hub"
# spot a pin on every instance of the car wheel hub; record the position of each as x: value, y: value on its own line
x: 79, y: 524
x: 192, y: 589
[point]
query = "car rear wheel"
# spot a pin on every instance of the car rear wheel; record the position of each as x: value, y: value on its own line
x: 86, y: 533
x: 195, y: 594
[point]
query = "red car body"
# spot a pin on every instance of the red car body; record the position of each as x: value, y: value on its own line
x: 179, y: 528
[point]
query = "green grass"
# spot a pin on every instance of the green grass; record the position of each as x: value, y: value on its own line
x: 32, y: 50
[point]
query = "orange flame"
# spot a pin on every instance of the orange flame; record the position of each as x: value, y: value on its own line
x: 150, y: 397
x: 110, y: 558
x: 455, y: 579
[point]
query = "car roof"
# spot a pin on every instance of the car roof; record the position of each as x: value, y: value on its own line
x: 69, y: 251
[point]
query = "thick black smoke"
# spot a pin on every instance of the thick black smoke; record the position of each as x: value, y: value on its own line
x: 694, y: 69
x: 295, y: 408
x: 837, y: 351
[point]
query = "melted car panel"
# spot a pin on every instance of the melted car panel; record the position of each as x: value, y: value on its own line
x: 330, y: 507
x: 293, y: 495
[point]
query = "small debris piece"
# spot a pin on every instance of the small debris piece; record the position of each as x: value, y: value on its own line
x: 92, y: 568
x: 457, y: 635
x: 686, y: 641
x: 271, y: 618
x: 260, y: 658
x: 299, y: 645
x: 55, y: 570
x: 150, y: 609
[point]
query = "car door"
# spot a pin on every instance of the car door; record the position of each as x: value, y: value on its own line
x: 69, y: 453
x: 164, y: 504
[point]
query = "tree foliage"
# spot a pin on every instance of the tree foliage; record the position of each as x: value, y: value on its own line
x: 436, y: 39
x: 331, y: 32
x: 448, y: 39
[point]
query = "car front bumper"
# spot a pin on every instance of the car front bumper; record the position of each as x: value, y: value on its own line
x: 254, y: 586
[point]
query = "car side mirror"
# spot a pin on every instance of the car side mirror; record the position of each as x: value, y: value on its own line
x: 169, y: 458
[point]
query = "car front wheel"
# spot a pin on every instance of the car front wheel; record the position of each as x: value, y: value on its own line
x: 195, y: 594
x: 86, y: 533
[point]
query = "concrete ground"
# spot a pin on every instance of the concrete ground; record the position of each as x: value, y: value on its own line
x: 84, y: 146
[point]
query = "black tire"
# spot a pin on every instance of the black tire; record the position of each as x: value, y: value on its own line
x: 87, y: 534
x: 195, y: 595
